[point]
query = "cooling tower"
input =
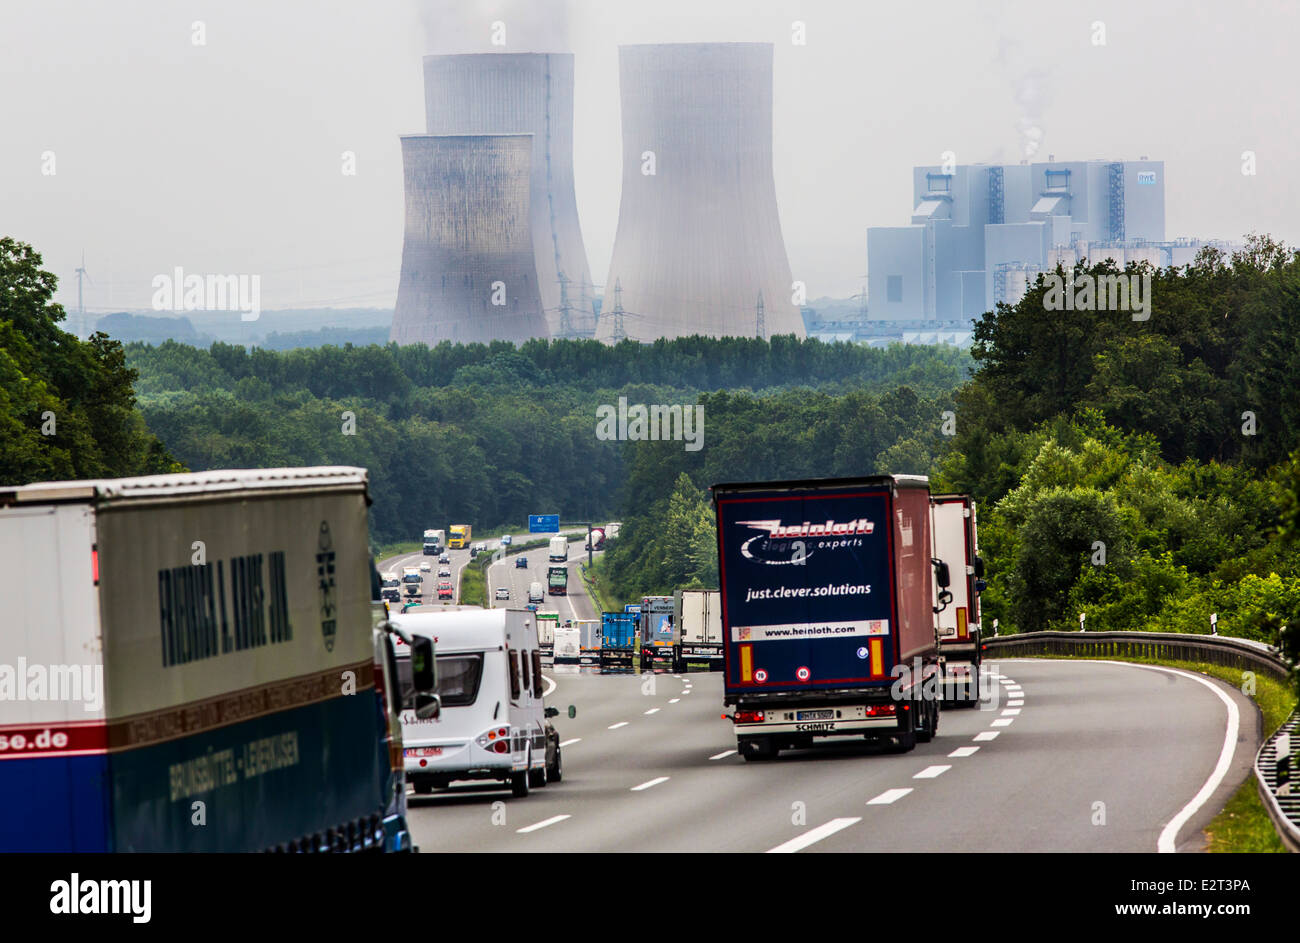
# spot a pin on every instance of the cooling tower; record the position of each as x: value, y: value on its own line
x: 525, y: 92
x: 699, y: 238
x: 467, y: 243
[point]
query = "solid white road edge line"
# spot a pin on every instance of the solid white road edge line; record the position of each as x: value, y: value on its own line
x: 813, y: 836
x: 1168, y: 841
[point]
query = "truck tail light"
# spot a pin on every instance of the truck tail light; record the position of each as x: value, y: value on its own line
x: 881, y: 710
x: 749, y: 717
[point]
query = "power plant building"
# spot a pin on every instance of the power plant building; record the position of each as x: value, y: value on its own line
x: 698, y: 248
x: 493, y: 93
x: 981, y: 233
x: 468, y: 267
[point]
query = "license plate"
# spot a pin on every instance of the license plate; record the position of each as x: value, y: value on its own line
x: 425, y: 752
x: 814, y: 715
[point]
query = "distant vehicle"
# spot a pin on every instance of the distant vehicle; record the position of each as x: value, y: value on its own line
x: 611, y: 529
x: 595, y: 540
x: 531, y: 607
x: 503, y: 592
x: 506, y: 540
x: 588, y: 641
x: 444, y: 571
x: 424, y: 566
x: 445, y: 590
x: 390, y: 588
x: 874, y: 674
x: 697, y: 618
x: 618, y: 640
x: 557, y: 581
x: 956, y: 544
x: 459, y: 537
x: 548, y: 621
x: 568, y: 648
x: 494, y: 724
x: 444, y: 558
x: 658, y: 633
x: 559, y: 549
x: 535, y: 592
x: 413, y: 582
x: 521, y: 563
x: 434, y: 542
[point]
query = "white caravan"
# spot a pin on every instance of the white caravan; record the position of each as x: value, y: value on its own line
x: 493, y: 724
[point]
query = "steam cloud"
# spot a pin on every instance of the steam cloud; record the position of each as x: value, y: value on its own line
x: 462, y: 26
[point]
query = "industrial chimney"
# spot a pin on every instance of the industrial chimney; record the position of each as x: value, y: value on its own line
x: 468, y: 273
x: 526, y: 92
x: 699, y: 237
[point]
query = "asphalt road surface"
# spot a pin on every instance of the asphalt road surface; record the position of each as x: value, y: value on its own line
x: 1073, y: 756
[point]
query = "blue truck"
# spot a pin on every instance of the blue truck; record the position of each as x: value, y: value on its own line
x: 618, y: 641
x: 220, y: 654
x: 828, y: 598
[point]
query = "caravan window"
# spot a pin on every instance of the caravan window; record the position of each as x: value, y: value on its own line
x: 458, y: 679
x: 514, y: 676
x: 537, y: 673
x: 523, y: 659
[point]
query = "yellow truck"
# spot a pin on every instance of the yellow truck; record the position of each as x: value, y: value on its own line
x: 460, y: 537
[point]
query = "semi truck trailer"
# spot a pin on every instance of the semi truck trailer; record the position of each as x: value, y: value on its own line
x: 618, y: 640
x: 435, y: 542
x: 558, y: 550
x: 827, y: 612
x: 697, y: 616
x: 956, y: 544
x: 212, y: 643
x: 557, y: 581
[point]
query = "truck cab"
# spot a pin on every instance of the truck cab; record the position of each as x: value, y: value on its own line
x: 390, y: 588
x: 412, y: 583
x: 557, y: 581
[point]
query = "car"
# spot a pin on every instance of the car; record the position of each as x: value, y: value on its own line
x: 444, y: 559
x: 444, y: 590
x: 444, y: 571
x: 424, y: 566
x: 531, y: 607
x: 521, y: 563
x: 503, y: 592
x: 506, y: 540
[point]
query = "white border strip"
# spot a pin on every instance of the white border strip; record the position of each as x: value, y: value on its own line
x: 1168, y: 842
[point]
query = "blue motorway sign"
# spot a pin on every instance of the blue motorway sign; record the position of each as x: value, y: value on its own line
x: 543, y: 523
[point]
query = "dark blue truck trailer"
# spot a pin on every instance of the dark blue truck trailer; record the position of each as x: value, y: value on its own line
x: 828, y: 592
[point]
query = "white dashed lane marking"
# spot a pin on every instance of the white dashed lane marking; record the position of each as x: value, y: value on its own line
x: 963, y: 751
x: 931, y: 772
x: 542, y: 824
x: 987, y: 735
x: 723, y: 755
x: 889, y: 796
x: 621, y: 723
x: 653, y: 782
x: 814, y: 836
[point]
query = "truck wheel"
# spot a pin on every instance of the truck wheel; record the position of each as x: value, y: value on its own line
x: 557, y: 771
x: 925, y: 733
x: 758, y: 748
x: 905, y: 741
x: 422, y: 787
x: 519, y: 781
x: 537, y: 777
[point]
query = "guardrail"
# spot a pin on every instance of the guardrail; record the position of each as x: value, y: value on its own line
x: 1212, y: 649
x: 1284, y: 810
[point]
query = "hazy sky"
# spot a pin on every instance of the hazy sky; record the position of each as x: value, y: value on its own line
x: 226, y: 157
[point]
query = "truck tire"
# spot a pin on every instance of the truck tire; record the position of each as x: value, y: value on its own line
x: 757, y: 748
x: 422, y: 787
x: 905, y: 741
x: 930, y: 726
x: 519, y: 781
x: 537, y: 777
x: 556, y: 772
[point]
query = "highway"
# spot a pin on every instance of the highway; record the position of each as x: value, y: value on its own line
x: 1073, y: 756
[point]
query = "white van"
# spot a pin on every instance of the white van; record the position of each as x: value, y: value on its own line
x: 536, y: 593
x: 493, y: 724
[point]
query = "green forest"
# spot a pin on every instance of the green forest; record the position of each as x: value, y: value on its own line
x: 1145, y: 472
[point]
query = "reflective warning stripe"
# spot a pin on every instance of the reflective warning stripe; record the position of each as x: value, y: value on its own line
x: 747, y: 663
x: 961, y: 622
x: 877, y: 658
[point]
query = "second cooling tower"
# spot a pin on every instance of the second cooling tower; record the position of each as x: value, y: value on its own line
x: 525, y: 92
x: 699, y: 236
x: 468, y: 273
